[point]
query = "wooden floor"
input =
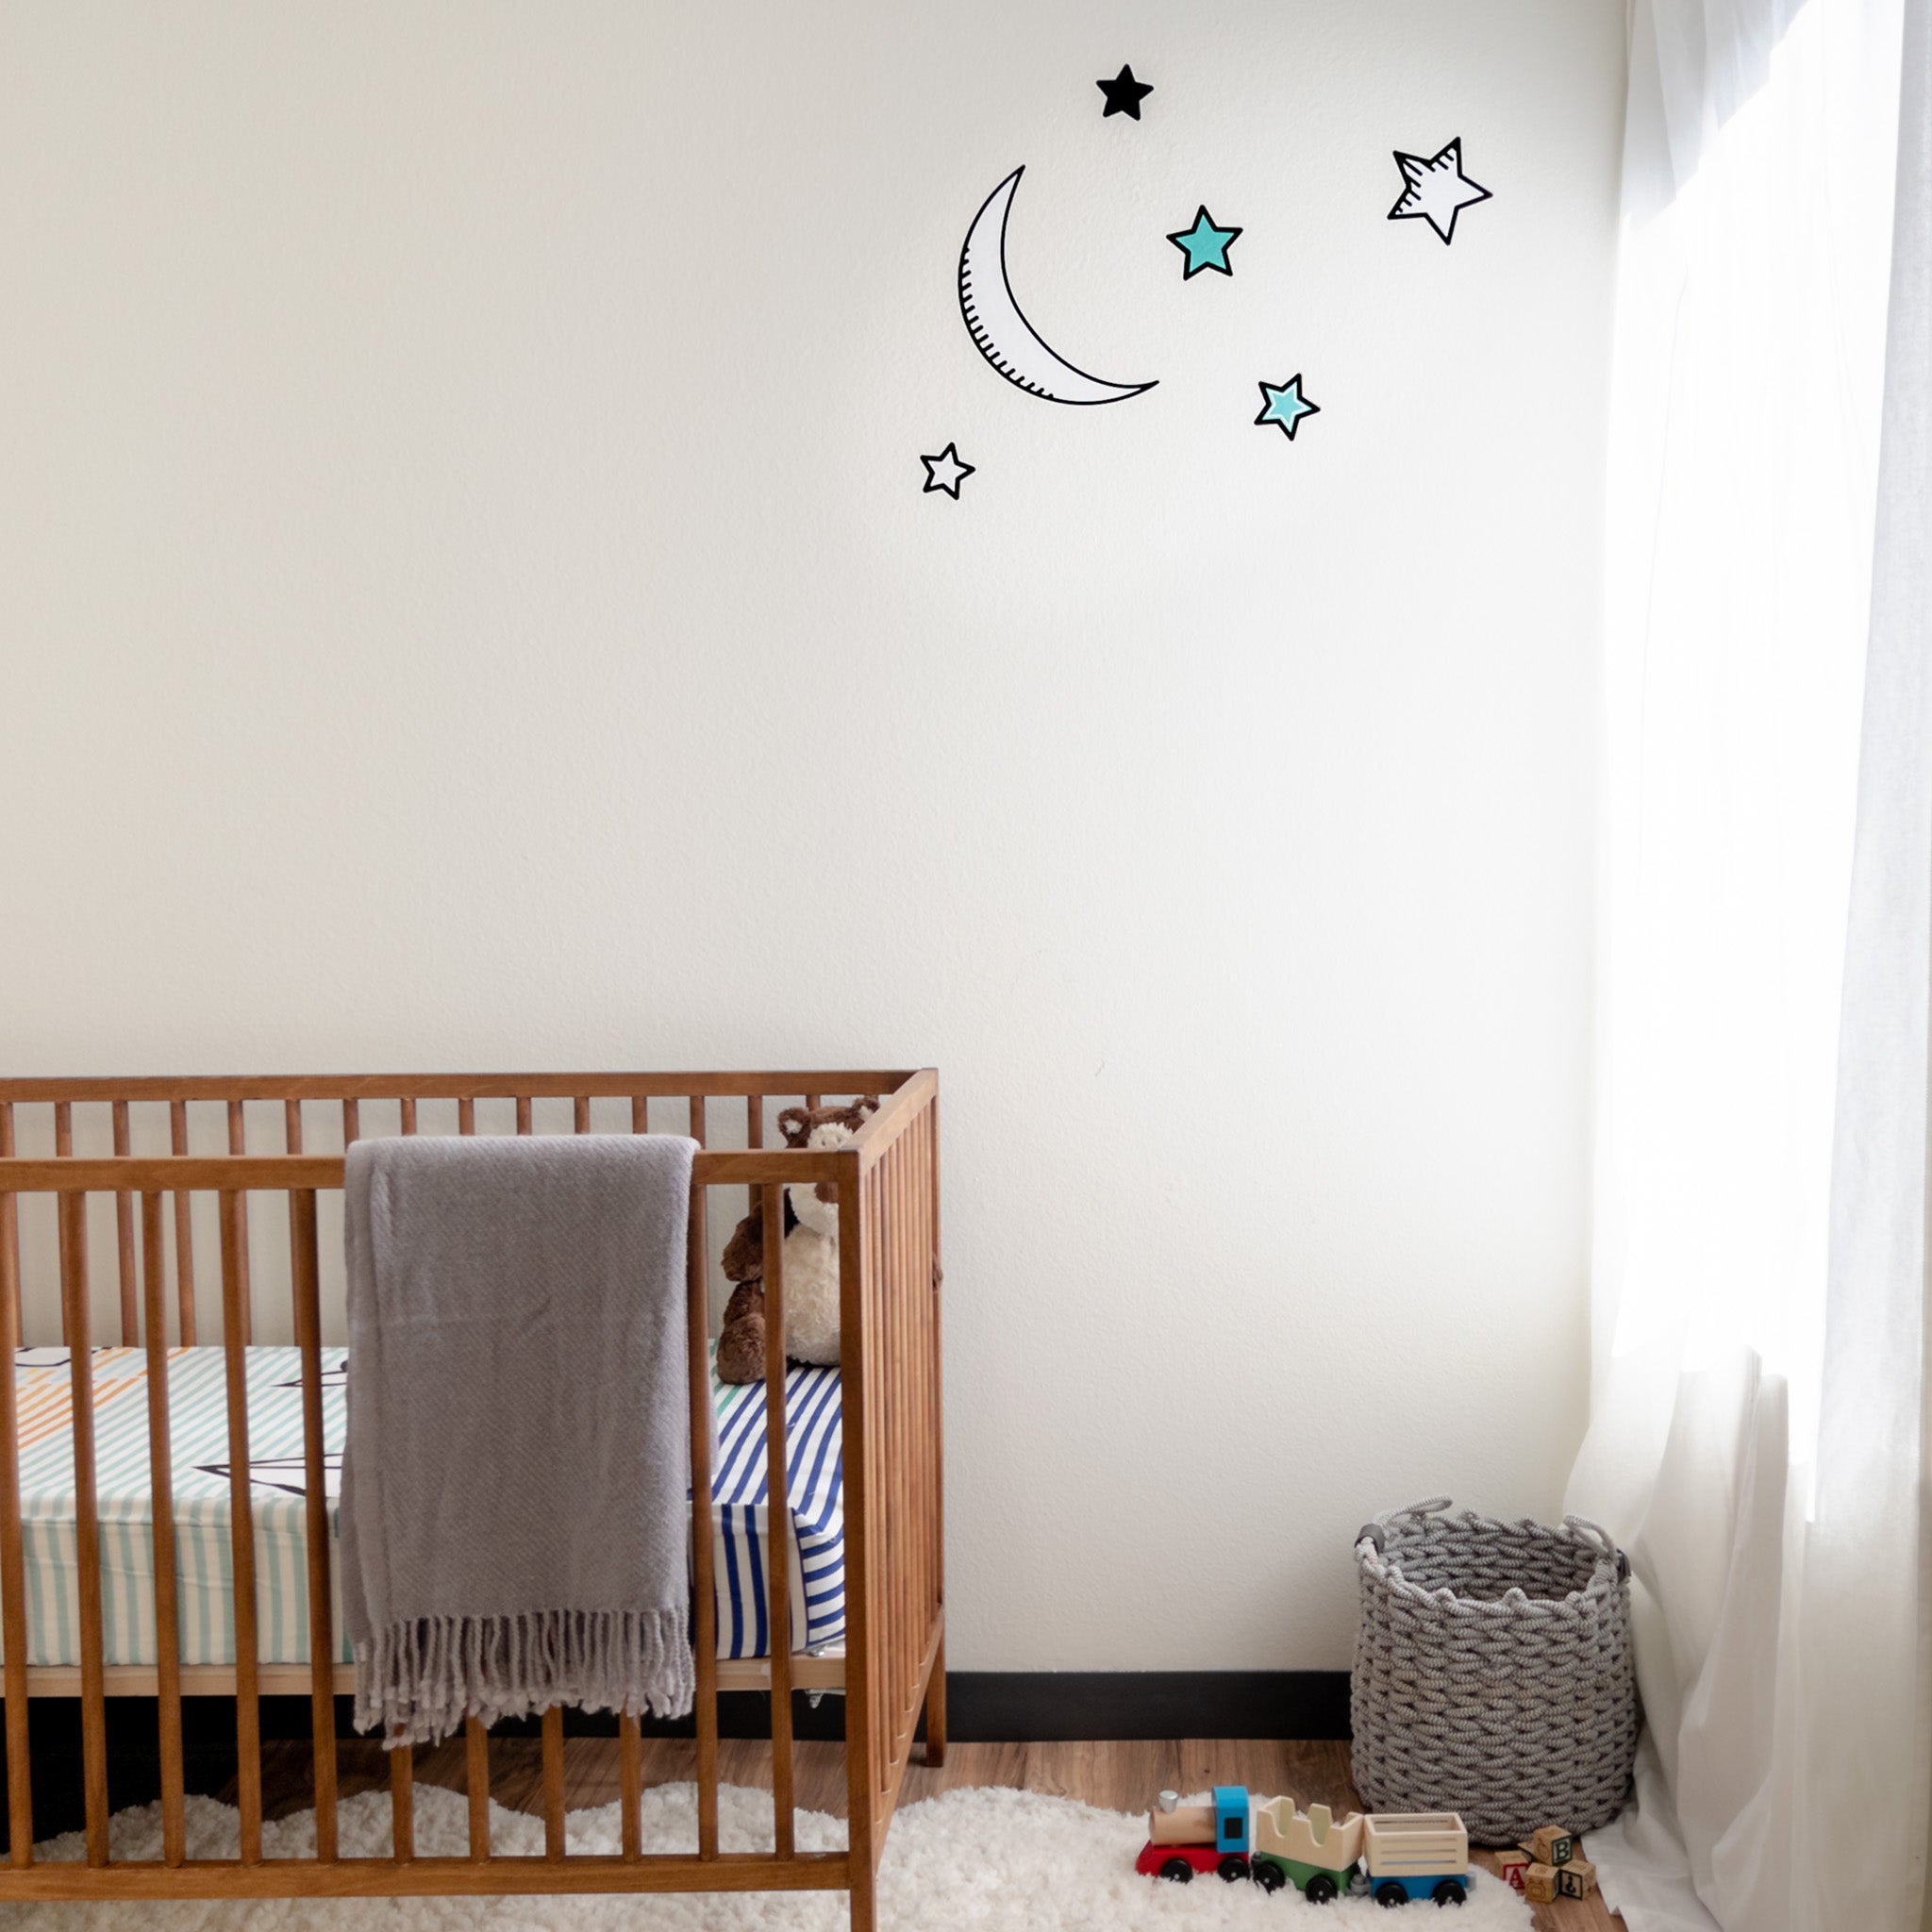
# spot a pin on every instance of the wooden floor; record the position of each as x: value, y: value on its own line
x: 1117, y: 1777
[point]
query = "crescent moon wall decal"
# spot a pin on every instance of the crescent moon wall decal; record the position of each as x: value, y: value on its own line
x: 1000, y: 333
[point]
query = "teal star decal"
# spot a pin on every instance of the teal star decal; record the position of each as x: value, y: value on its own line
x: 1205, y: 245
x: 1283, y: 404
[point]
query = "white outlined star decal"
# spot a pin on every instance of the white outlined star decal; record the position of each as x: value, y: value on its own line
x: 945, y: 472
x: 1435, y: 188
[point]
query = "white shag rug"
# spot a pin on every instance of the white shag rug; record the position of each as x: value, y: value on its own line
x: 979, y: 1860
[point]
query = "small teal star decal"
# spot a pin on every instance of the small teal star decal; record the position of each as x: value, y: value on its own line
x: 1283, y: 404
x: 1205, y: 245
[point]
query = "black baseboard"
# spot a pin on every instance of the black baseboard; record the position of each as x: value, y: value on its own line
x: 1047, y: 1706
x: 1051, y: 1707
x: 982, y: 1706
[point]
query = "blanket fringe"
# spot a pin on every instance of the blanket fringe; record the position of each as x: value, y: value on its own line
x: 418, y: 1680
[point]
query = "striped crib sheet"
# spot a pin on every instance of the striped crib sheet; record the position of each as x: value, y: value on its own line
x: 197, y: 1411
x: 814, y: 1454
x: 198, y: 1439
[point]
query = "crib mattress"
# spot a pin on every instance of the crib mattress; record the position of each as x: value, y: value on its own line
x: 197, y: 1411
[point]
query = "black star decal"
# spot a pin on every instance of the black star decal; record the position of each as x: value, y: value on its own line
x: 1123, y: 95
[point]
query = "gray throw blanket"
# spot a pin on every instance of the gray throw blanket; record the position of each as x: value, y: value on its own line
x: 518, y: 1460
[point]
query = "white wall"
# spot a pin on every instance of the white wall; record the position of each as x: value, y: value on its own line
x: 467, y: 599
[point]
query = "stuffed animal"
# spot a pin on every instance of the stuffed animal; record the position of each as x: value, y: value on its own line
x: 810, y: 1258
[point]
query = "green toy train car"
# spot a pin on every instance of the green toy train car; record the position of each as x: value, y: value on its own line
x: 1313, y: 1850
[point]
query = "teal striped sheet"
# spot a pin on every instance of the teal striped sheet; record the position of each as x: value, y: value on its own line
x: 198, y: 1432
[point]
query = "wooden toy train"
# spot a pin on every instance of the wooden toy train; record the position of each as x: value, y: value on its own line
x: 1392, y: 1858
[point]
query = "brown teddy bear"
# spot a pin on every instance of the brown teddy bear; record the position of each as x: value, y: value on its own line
x: 810, y: 1258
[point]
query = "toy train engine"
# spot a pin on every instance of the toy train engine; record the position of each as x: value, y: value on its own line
x: 1186, y: 1838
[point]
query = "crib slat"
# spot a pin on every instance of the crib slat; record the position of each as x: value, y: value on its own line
x: 242, y: 1535
x: 63, y: 1149
x: 237, y: 1143
x: 901, y: 1449
x: 523, y: 1113
x: 934, y: 1427
x: 630, y: 1786
x: 553, y: 1782
x: 466, y: 1115
x: 888, y: 1593
x: 124, y: 1228
x: 305, y: 1269
x: 291, y: 1127
x: 184, y: 1226
x: 697, y: 1298
x: 352, y: 1123
x: 476, y: 1742
x: 160, y: 1461
x: 911, y: 1443
x: 402, y: 1801
x: 580, y: 1114
x: 862, y: 1753
x: 778, y: 1522
x: 10, y: 1226
x: 407, y: 1106
x: 20, y: 1803
x: 87, y: 1525
x: 906, y: 1545
x: 639, y: 1114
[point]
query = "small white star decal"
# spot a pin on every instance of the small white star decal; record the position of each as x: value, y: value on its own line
x: 945, y: 472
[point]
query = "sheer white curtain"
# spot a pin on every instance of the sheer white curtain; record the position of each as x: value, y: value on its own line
x: 1759, y: 1280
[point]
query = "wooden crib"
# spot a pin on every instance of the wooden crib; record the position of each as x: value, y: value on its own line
x: 894, y: 1666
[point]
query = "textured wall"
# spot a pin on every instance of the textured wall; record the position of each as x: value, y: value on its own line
x: 467, y: 598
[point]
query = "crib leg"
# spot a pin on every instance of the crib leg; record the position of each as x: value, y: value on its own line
x: 864, y: 1899
x: 936, y: 1707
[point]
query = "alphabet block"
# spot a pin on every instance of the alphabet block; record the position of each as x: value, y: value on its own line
x: 1551, y: 1844
x: 1540, y: 1884
x: 1577, y: 1879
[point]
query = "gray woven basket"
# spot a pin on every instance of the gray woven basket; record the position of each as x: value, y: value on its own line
x: 1493, y: 1672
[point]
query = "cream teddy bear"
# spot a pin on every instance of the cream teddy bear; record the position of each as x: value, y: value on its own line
x: 810, y: 1258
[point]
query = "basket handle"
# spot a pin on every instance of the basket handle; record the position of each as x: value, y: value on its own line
x: 1585, y: 1531
x: 1372, y: 1532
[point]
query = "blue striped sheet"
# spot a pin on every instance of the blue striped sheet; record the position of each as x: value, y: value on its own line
x: 740, y: 1487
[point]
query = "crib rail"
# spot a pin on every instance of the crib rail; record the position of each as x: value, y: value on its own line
x: 886, y: 1184
x: 285, y: 1086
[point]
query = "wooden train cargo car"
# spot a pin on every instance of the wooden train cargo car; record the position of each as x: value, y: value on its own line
x: 1311, y: 1850
x: 1421, y: 1855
